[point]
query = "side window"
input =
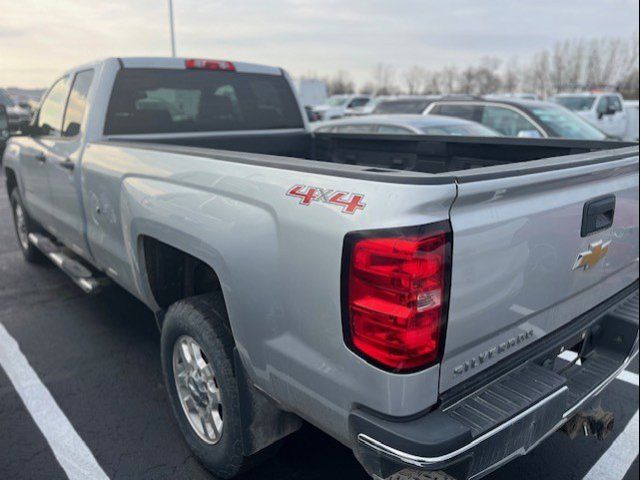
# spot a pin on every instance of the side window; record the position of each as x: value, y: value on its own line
x: 506, y: 121
x: 615, y: 105
x: 358, y: 102
x: 603, y: 105
x: 77, y: 104
x: 52, y: 109
x: 390, y: 129
x: 468, y: 112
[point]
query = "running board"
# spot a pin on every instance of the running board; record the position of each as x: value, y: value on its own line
x: 81, y: 275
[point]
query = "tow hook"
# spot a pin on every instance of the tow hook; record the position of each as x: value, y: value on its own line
x: 596, y: 422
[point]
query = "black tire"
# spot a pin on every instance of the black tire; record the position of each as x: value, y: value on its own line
x: 29, y: 251
x: 204, y: 318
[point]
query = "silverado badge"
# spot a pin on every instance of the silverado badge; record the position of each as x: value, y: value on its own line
x: 590, y: 258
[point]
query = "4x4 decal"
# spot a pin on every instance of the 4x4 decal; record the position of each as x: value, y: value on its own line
x: 350, y: 202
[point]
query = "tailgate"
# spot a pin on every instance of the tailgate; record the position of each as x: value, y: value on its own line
x: 517, y: 273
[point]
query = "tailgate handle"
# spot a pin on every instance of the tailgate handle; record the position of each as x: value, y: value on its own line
x: 598, y: 215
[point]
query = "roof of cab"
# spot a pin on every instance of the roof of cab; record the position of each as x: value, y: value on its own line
x: 179, y: 63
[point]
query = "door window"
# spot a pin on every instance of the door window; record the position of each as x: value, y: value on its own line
x: 615, y: 105
x: 77, y: 104
x: 506, y: 121
x: 603, y: 106
x: 52, y: 110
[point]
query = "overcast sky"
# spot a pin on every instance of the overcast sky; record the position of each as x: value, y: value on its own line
x: 41, y: 38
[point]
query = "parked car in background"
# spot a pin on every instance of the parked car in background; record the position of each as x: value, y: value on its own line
x: 413, y: 104
x: 367, y: 108
x: 519, y: 118
x: 4, y: 130
x: 402, y: 105
x: 312, y: 115
x: 631, y: 106
x: 18, y: 117
x: 604, y: 110
x: 406, y: 125
x: 337, y: 106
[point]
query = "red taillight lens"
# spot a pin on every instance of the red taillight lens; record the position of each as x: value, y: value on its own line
x: 200, y: 64
x: 397, y: 286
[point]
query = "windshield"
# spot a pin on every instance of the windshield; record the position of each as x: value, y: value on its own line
x: 5, y: 99
x: 464, y: 129
x: 577, y: 103
x: 401, y: 106
x: 566, y: 124
x: 146, y: 100
x: 337, y: 101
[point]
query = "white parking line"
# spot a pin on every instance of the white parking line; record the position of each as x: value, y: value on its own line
x: 619, y: 457
x: 73, y: 455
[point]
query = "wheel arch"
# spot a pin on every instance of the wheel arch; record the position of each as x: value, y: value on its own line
x: 171, y: 273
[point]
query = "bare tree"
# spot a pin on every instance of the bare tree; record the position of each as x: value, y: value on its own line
x: 568, y: 65
x: 368, y: 88
x: 340, y: 83
x: 511, y: 78
x: 448, y: 80
x: 383, y: 79
x: 575, y: 65
x: 414, y: 79
x: 558, y: 67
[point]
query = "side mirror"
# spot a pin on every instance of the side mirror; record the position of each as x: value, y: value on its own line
x: 529, y: 134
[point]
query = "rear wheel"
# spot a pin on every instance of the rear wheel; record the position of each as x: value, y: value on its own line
x: 197, y: 360
x: 24, y: 225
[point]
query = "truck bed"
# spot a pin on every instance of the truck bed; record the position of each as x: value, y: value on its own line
x: 414, y: 153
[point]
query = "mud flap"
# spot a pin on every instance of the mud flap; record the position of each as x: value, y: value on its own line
x: 263, y: 422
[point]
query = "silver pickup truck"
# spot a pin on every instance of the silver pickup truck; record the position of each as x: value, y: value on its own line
x: 411, y: 296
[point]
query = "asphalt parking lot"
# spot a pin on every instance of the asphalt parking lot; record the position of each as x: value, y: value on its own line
x: 98, y: 358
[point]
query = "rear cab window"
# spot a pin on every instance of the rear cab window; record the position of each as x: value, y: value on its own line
x: 147, y: 101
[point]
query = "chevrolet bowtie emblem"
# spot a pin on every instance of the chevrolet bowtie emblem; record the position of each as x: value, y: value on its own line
x: 589, y: 259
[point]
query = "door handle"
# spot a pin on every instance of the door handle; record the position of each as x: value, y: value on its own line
x: 598, y: 215
x: 41, y: 157
x: 67, y: 164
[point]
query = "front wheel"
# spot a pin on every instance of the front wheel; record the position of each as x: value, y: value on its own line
x: 197, y: 362
x: 24, y: 225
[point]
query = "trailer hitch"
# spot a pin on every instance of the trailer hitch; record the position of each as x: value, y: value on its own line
x: 596, y: 422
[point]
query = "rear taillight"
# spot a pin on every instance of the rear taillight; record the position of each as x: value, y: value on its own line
x: 396, y: 286
x: 201, y: 64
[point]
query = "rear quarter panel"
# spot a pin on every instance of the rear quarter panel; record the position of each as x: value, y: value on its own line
x: 279, y: 263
